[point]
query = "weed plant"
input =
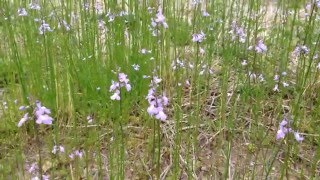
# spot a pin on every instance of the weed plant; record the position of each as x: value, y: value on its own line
x: 128, y: 89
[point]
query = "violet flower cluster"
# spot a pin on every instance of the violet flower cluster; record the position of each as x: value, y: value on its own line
x: 44, y: 27
x: 156, y: 102
x: 34, y: 6
x: 198, y: 37
x: 76, y: 153
x: 123, y: 81
x: 41, y: 115
x: 284, y: 129
x: 300, y: 49
x: 33, y: 170
x: 159, y: 20
x: 261, y: 47
x: 22, y: 12
x: 237, y: 32
x: 57, y: 149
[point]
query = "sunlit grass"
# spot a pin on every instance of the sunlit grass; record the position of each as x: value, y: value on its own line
x: 176, y: 90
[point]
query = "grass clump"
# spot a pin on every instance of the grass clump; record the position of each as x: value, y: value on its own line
x: 159, y: 90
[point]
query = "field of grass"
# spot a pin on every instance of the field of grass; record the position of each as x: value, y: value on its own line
x: 149, y: 89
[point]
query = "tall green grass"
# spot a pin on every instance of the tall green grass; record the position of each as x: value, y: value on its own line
x: 227, y: 96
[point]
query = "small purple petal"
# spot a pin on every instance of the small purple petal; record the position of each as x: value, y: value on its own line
x: 128, y: 87
x: 21, y: 108
x: 114, y: 86
x: 161, y: 116
x: 123, y: 78
x: 280, y: 134
x: 32, y: 167
x: 261, y: 47
x: 61, y: 148
x: 23, y: 119
x: 115, y: 96
x: 152, y: 110
x: 44, y: 119
x: 54, y: 150
x: 283, y: 123
x: 71, y: 155
x: 165, y: 100
x: 298, y: 137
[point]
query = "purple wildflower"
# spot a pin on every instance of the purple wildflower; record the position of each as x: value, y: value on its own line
x: 177, y: 64
x: 123, y: 81
x: 32, y: 168
x: 308, y: 6
x: 23, y: 119
x: 261, y: 47
x: 42, y: 114
x: 237, y: 32
x: 284, y: 129
x: 56, y: 149
x: 76, y: 153
x: 160, y: 19
x: 205, y: 13
x: 114, y: 86
x: 21, y: 108
x: 34, y: 6
x: 136, y: 67
x: 198, y: 37
x: 99, y: 8
x: 159, y: 16
x: 116, y: 95
x: 111, y: 17
x: 44, y: 27
x: 123, y: 78
x: 300, y: 50
x: 44, y: 177
x: 187, y: 83
x: 101, y: 24
x: 22, y: 12
x: 156, y: 102
x: 161, y: 116
x: 298, y: 137
x: 195, y: 2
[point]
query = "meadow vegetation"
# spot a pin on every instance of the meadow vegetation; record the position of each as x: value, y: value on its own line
x: 150, y: 89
